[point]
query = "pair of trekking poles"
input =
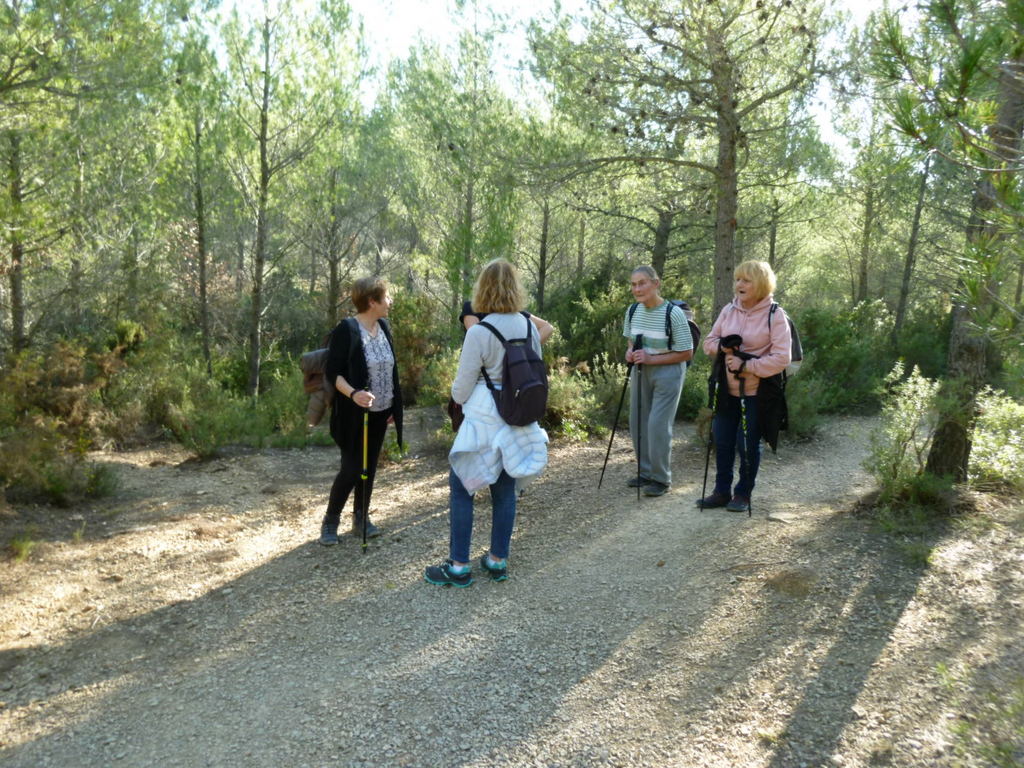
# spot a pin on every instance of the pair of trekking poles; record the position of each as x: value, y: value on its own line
x: 732, y: 342
x: 638, y: 343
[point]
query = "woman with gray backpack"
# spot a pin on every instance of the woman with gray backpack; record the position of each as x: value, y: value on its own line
x: 499, y: 442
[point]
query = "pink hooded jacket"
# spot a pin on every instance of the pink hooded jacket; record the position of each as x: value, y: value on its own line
x: 772, y: 348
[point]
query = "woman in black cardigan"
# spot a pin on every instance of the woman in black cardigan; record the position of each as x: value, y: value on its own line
x: 361, y: 363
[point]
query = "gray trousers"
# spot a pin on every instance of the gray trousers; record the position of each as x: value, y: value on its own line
x: 655, y: 390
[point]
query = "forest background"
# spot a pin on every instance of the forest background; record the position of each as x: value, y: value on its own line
x: 188, y: 191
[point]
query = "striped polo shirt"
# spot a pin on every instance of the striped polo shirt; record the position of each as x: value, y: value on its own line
x: 651, y: 323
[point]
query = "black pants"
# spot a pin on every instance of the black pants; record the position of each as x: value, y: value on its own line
x: 348, y: 478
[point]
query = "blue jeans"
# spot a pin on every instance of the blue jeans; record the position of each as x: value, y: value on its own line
x: 503, y: 516
x: 730, y: 439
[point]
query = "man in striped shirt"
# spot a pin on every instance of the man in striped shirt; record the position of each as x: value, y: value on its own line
x: 659, y: 368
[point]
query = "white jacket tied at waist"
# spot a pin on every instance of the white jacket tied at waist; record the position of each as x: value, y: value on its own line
x: 485, y: 445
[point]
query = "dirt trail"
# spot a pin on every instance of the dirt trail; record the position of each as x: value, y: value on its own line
x: 192, y: 620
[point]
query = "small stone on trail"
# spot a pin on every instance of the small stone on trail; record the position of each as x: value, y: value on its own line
x: 782, y: 517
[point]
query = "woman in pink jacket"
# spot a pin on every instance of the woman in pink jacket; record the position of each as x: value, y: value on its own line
x: 748, y: 348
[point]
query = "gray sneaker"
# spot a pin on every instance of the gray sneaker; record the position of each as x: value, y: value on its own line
x: 654, y: 488
x: 637, y: 482
x: 328, y: 533
x: 372, y: 531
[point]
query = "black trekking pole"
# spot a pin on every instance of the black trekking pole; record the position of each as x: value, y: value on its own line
x: 713, y: 405
x: 365, y: 473
x: 638, y: 343
x: 615, y: 424
x: 744, y: 356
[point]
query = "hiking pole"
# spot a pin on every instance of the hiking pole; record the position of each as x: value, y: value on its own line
x: 615, y: 424
x: 744, y: 356
x: 713, y: 405
x: 638, y: 343
x: 365, y: 473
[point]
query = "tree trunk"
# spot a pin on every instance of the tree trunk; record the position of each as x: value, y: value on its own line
x: 659, y: 253
x: 260, y: 250
x: 865, y: 243
x: 16, y: 273
x: 908, y: 264
x: 773, y: 234
x: 201, y: 248
x: 581, y: 251
x: 466, y: 268
x: 968, y: 348
x: 542, y: 267
x: 727, y: 194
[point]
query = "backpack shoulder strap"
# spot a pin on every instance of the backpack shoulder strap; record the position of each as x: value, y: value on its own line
x: 771, y: 311
x: 632, y: 310
x: 493, y: 330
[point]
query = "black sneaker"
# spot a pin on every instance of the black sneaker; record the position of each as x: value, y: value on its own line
x: 442, y: 575
x: 714, y: 501
x: 738, y: 504
x: 637, y: 482
x: 328, y: 533
x: 654, y: 488
x: 496, y: 574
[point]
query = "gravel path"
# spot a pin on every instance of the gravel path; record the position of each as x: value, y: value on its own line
x: 193, y: 621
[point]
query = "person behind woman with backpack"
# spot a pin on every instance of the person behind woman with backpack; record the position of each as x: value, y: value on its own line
x: 748, y: 348
x: 657, y: 378
x: 487, y: 451
x: 467, y: 320
x: 361, y: 363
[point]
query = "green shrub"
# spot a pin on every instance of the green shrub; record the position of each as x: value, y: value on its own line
x: 803, y: 393
x: 51, y: 411
x: 607, y: 379
x: 694, y: 396
x: 21, y: 545
x: 997, y: 452
x: 572, y: 408
x: 899, y: 447
x: 415, y: 322
x: 438, y: 374
x: 847, y: 353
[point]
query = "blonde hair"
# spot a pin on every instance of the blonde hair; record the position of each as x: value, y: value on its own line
x: 760, y: 275
x: 367, y: 289
x: 498, y: 289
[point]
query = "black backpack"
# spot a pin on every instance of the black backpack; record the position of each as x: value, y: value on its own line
x: 523, y: 396
x: 687, y: 313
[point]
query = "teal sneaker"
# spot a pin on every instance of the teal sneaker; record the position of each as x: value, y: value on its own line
x: 496, y: 574
x: 442, y: 575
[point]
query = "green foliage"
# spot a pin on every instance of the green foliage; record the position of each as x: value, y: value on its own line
x: 417, y: 341
x: 846, y: 353
x: 899, y: 447
x: 51, y: 414
x: 997, y: 454
x: 438, y: 375
x: 607, y: 379
x: 924, y: 342
x: 21, y: 545
x: 204, y: 416
x: 590, y: 317
x: 572, y: 407
x: 695, y: 388
x: 803, y: 395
